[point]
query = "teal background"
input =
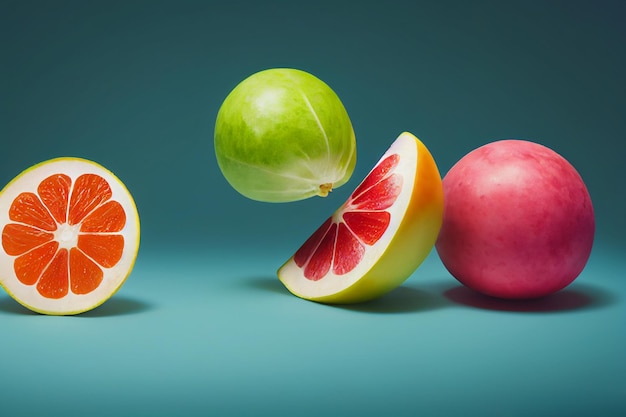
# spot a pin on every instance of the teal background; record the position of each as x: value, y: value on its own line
x: 202, y: 326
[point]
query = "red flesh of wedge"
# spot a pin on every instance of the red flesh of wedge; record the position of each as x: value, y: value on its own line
x: 378, y: 237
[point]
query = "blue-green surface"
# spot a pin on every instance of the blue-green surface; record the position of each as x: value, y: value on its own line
x: 203, y: 326
x: 209, y: 333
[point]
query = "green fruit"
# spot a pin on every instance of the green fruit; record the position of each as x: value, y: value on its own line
x: 283, y: 135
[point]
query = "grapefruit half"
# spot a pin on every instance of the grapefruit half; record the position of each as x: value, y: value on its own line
x: 70, y: 236
x: 378, y: 237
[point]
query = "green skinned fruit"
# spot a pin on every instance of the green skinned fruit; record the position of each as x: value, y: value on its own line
x: 283, y: 135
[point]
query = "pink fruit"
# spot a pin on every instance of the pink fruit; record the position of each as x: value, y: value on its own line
x: 518, y: 220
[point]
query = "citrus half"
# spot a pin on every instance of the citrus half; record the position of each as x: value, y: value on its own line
x: 378, y: 237
x: 70, y: 236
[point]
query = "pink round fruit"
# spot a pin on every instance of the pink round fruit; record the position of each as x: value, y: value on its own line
x: 518, y: 220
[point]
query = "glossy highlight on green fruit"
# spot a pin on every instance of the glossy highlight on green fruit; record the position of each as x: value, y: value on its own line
x: 283, y: 135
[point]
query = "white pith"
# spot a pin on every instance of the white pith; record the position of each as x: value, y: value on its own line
x: 293, y: 276
x: 67, y: 236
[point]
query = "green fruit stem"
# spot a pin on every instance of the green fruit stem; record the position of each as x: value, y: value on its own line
x: 325, y: 189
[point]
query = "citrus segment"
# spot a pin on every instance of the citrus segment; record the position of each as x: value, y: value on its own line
x: 109, y: 217
x: 30, y: 265
x: 89, y: 192
x: 27, y: 208
x: 348, y: 250
x: 54, y: 281
x: 379, y: 236
x: 54, y: 193
x: 369, y: 226
x: 376, y: 177
x: 18, y: 238
x: 85, y: 275
x: 69, y: 243
x: 106, y: 250
x: 362, y: 222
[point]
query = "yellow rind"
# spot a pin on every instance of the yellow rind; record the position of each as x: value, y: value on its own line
x: 134, y: 258
x: 411, y: 244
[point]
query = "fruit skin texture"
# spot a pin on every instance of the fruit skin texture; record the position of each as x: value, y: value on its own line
x: 518, y: 220
x: 411, y: 244
x: 283, y: 135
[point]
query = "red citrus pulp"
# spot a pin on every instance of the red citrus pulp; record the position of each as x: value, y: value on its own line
x: 378, y: 237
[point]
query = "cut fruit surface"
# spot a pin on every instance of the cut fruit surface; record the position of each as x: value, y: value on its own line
x: 70, y: 236
x: 378, y: 237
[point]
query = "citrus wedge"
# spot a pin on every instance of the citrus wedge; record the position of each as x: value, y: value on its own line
x: 70, y: 236
x: 378, y: 237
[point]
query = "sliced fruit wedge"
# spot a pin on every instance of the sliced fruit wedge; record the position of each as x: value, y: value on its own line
x: 378, y: 237
x: 70, y: 236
